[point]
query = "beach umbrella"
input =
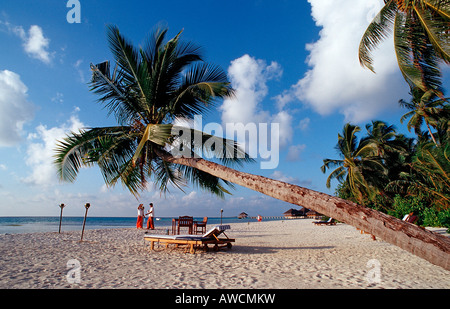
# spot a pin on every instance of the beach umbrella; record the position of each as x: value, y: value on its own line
x: 87, y: 205
x: 60, y: 216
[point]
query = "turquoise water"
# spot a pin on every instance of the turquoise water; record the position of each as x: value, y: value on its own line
x: 18, y: 225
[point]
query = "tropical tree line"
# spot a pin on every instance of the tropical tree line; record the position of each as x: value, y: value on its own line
x: 396, y: 174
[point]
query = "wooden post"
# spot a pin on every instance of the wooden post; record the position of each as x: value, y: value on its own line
x: 84, y: 221
x: 60, y: 217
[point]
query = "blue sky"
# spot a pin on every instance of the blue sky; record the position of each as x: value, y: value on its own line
x: 291, y: 62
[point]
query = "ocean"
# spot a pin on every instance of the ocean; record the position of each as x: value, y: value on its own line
x: 20, y: 225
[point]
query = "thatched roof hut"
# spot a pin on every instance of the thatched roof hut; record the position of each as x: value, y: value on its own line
x: 295, y: 213
x: 242, y: 215
x: 313, y: 214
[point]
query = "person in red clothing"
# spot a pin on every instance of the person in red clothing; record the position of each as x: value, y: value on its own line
x: 151, y: 214
x: 140, y: 218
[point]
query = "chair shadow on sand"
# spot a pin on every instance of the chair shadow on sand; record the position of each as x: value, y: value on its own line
x: 246, y: 249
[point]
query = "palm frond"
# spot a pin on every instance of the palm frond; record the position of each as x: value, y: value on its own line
x: 437, y: 31
x: 376, y: 32
x: 416, y: 57
x: 191, y: 142
x: 200, y: 88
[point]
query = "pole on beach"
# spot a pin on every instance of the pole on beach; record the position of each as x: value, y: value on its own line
x: 60, y: 217
x: 84, y: 221
x: 221, y: 212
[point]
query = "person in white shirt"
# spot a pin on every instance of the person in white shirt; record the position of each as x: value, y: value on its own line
x: 140, y: 218
x: 151, y: 214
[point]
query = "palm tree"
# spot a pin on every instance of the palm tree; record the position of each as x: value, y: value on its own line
x: 393, y: 151
x: 383, y: 137
x: 433, y: 164
x: 421, y: 37
x: 152, y: 86
x: 147, y: 91
x: 359, y: 166
x: 423, y: 107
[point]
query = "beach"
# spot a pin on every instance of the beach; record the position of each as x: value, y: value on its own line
x: 284, y: 254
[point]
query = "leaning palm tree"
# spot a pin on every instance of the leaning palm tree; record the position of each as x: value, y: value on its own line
x: 421, y: 39
x: 359, y: 168
x: 152, y: 86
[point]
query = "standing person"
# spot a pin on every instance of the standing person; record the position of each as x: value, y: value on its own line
x: 140, y: 218
x: 150, y: 214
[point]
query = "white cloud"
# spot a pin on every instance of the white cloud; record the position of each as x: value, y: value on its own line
x: 278, y: 175
x: 303, y: 125
x: 35, y: 43
x: 81, y: 75
x: 41, y: 150
x: 15, y: 109
x: 284, y: 119
x: 294, y: 152
x: 336, y: 81
x: 58, y: 98
x: 190, y: 197
x: 249, y: 77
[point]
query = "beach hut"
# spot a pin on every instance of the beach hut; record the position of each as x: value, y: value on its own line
x: 313, y: 214
x: 296, y: 212
x: 243, y: 215
x: 292, y: 213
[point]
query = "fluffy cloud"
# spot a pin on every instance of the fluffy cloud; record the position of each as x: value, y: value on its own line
x: 35, y: 43
x: 336, y: 81
x: 294, y: 152
x: 15, y: 109
x: 41, y: 149
x: 249, y: 77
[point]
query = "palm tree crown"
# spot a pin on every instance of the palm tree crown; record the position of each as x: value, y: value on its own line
x: 148, y: 89
x: 359, y: 166
x: 421, y: 38
x: 425, y: 108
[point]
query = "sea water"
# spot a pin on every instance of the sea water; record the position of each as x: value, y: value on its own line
x: 19, y: 225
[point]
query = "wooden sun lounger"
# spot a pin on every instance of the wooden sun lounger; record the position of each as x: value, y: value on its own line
x: 330, y: 221
x: 193, y: 241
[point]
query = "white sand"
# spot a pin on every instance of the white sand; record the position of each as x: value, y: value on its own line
x: 279, y: 254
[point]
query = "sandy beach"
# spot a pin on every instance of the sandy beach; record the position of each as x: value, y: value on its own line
x: 289, y: 254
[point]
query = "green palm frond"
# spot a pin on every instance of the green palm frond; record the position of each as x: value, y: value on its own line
x: 376, y: 32
x: 199, y: 144
x: 421, y: 39
x: 436, y: 29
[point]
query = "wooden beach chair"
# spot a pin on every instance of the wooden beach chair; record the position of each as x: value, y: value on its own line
x: 194, y: 241
x: 330, y: 221
x: 200, y: 226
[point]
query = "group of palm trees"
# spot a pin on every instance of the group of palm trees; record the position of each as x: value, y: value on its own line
x: 383, y: 163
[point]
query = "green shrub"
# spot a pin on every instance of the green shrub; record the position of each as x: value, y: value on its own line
x: 428, y: 216
x: 406, y: 205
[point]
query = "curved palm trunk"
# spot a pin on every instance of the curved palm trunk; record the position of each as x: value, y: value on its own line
x: 425, y: 244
